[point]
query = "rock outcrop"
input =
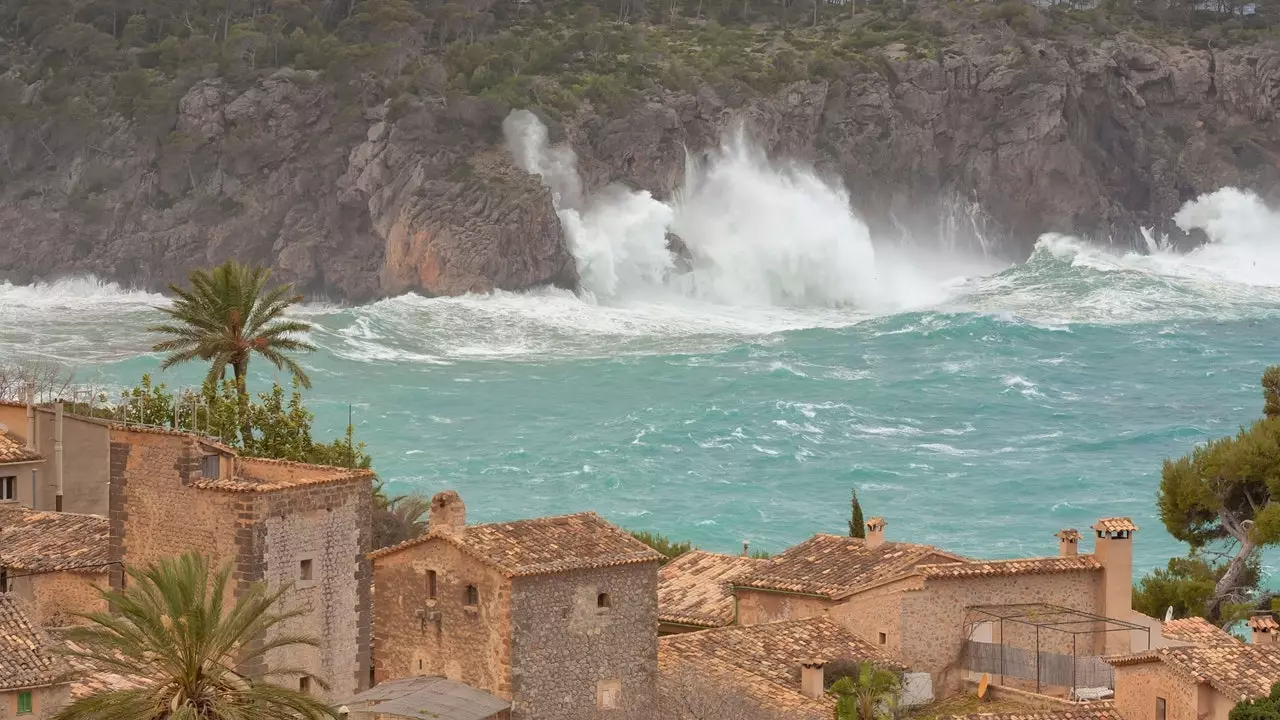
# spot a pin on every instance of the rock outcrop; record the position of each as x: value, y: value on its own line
x: 354, y: 202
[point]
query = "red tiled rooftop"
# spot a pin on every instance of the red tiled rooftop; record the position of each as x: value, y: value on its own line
x: 1197, y: 630
x: 694, y: 589
x: 1237, y: 670
x: 1018, y: 566
x: 45, y: 541
x: 13, y: 450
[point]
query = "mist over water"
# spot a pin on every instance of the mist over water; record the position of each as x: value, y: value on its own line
x: 978, y: 406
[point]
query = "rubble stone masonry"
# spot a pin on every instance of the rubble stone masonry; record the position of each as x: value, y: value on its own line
x: 418, y: 635
x: 1139, y: 686
x: 567, y: 649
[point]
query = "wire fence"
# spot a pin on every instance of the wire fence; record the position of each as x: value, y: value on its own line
x: 1046, y: 668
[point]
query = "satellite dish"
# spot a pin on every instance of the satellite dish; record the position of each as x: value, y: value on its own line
x: 982, y: 685
x: 1168, y: 614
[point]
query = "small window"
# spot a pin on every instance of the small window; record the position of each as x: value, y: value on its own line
x: 1160, y: 708
x: 431, y: 584
x: 304, y: 684
x: 609, y: 694
x: 210, y: 466
x: 603, y: 600
x: 884, y: 638
x: 419, y: 663
x: 4, y: 580
x: 8, y: 488
x: 473, y: 595
x: 24, y: 703
x: 304, y: 572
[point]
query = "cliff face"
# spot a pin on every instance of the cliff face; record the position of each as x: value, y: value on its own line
x: 1092, y: 137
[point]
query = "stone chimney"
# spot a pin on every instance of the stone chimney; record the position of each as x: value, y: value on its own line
x: 448, y: 514
x: 811, y: 681
x: 875, y: 532
x: 1113, y: 548
x: 1266, y: 630
x: 1068, y: 542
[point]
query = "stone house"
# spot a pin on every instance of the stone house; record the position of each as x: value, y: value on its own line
x: 274, y: 521
x: 31, y: 687
x: 915, y: 601
x: 695, y: 590
x: 1088, y: 711
x: 68, y: 469
x: 1193, y: 682
x: 779, y: 665
x: 556, y: 614
x: 53, y: 562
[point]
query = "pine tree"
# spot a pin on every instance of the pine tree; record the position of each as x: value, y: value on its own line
x: 857, y: 526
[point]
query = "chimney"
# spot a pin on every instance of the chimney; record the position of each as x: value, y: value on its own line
x: 1264, y: 627
x: 1113, y: 548
x: 31, y: 416
x: 57, y: 455
x: 746, y: 548
x: 811, y: 681
x: 875, y: 532
x: 448, y: 514
x: 1068, y: 542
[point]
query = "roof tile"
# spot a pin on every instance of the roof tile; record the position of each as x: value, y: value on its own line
x: 1090, y: 711
x: 539, y: 546
x: 835, y: 565
x: 42, y: 541
x: 26, y: 659
x: 694, y: 589
x: 1265, y: 623
x: 1197, y: 630
x: 1019, y: 566
x: 1237, y: 670
x: 1115, y: 524
x: 13, y: 450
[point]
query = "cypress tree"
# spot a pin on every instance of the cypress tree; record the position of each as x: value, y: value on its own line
x: 857, y: 526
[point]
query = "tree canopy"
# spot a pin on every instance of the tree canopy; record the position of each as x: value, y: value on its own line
x: 857, y: 525
x: 1220, y: 498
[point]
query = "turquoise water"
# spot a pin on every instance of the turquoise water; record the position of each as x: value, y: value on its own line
x: 1029, y: 399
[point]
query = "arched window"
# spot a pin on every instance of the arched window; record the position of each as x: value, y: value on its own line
x: 431, y: 584
x: 603, y: 600
x: 473, y: 595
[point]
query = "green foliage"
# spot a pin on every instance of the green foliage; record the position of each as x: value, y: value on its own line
x: 278, y: 426
x: 670, y: 550
x: 170, y: 626
x: 862, y: 695
x: 857, y: 525
x: 226, y: 316
x: 1221, y: 497
x: 1187, y: 585
x: 1264, y: 708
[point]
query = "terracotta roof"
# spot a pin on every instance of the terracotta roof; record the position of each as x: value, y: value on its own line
x: 773, y: 701
x: 247, y: 485
x: 1019, y: 566
x: 1238, y: 670
x: 89, y: 678
x: 1115, y: 524
x: 13, y: 450
x: 543, y: 545
x: 1068, y: 534
x: 42, y: 541
x: 25, y: 657
x: 774, y: 651
x: 1265, y: 623
x: 1197, y: 630
x: 694, y: 588
x: 836, y: 566
x: 1090, y: 711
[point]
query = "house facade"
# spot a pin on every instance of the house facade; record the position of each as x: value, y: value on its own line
x: 53, y: 562
x: 68, y: 470
x: 557, y: 615
x: 274, y: 521
x: 31, y: 675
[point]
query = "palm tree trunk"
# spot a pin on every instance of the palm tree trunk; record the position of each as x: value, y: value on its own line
x: 241, y: 368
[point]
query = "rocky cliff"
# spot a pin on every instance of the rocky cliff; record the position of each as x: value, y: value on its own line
x: 359, y: 199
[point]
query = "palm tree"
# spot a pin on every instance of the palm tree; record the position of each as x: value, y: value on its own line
x: 173, y: 631
x: 860, y: 697
x: 228, y: 315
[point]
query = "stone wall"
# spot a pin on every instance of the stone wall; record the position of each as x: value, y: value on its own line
x: 761, y: 606
x: 53, y: 598
x: 466, y: 644
x: 567, y: 649
x: 878, y: 611
x: 153, y: 511
x: 45, y: 702
x: 328, y: 527
x: 1138, y: 686
x: 935, y: 617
